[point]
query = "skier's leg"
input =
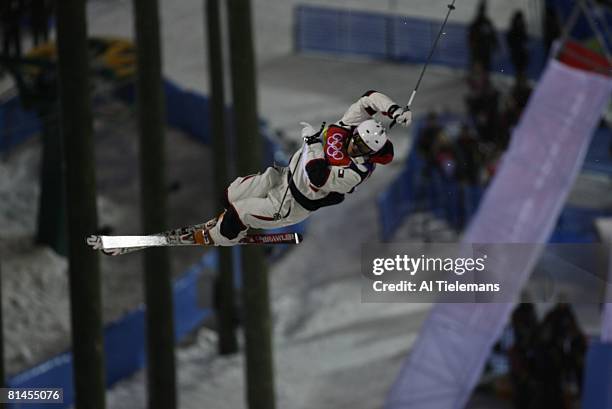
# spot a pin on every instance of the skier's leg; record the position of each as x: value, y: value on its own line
x: 258, y: 185
x: 255, y: 213
x: 233, y: 224
x: 260, y: 213
x: 244, y: 193
x: 228, y: 230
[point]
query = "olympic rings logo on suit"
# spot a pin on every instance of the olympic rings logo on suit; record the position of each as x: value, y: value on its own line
x: 334, y: 147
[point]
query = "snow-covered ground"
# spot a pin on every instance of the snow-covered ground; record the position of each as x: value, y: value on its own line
x: 331, y: 350
x: 35, y: 284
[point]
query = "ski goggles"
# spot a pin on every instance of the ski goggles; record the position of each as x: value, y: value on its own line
x: 360, y: 146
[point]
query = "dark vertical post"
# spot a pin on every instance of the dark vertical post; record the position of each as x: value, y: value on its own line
x: 224, y: 285
x: 161, y: 376
x: 84, y: 270
x: 51, y: 229
x: 259, y: 360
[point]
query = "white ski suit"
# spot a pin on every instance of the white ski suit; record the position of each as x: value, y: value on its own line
x: 324, y: 175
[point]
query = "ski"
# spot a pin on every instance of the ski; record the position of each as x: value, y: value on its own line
x: 118, y: 245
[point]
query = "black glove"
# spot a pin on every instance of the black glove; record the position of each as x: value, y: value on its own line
x: 312, y: 139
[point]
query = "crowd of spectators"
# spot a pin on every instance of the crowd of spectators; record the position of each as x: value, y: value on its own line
x: 469, y: 154
x: 546, y: 358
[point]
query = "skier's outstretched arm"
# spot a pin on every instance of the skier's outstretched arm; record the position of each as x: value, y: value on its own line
x: 371, y: 103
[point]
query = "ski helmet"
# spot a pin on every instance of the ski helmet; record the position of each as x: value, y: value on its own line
x: 372, y: 134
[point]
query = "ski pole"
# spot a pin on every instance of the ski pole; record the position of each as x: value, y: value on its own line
x: 451, y: 7
x: 277, y: 215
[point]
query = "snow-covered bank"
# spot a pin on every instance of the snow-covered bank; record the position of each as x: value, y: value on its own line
x: 35, y: 283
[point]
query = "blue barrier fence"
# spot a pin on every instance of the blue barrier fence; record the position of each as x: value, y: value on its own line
x: 455, y: 204
x: 16, y: 125
x: 397, y: 38
x: 124, y: 341
x: 185, y: 110
x: 188, y: 111
x: 597, y: 386
x: 599, y: 155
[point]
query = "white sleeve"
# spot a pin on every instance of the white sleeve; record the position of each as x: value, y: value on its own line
x: 341, y: 180
x: 368, y: 105
x: 314, y: 151
x: 307, y: 154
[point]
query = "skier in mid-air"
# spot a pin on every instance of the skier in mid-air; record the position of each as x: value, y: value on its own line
x: 333, y: 162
